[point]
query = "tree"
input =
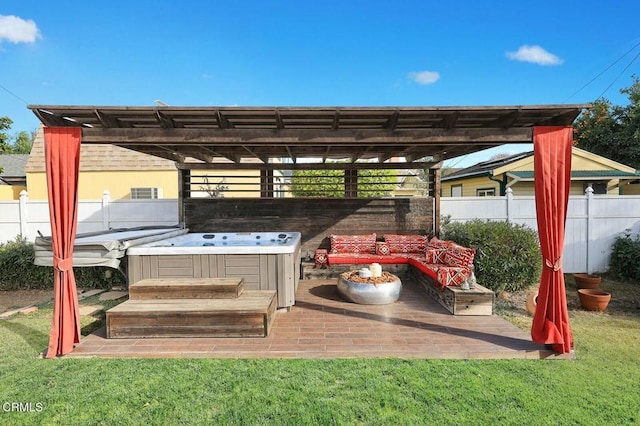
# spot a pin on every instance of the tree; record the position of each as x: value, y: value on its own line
x: 5, y: 125
x: 214, y: 190
x: 331, y: 183
x: 610, y: 130
x: 23, y: 143
x: 19, y: 144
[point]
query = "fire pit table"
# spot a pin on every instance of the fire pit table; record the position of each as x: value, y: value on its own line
x: 369, y: 291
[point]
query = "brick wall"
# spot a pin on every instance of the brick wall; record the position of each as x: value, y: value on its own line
x: 314, y: 218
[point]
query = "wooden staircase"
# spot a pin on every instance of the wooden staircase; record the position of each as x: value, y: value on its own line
x: 192, y: 307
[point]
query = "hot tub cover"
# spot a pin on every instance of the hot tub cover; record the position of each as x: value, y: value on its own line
x: 104, y: 248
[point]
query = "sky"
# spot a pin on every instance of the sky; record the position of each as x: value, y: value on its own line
x: 315, y: 53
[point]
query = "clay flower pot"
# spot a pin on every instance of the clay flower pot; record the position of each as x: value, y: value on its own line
x: 532, y: 301
x: 587, y: 281
x: 594, y: 300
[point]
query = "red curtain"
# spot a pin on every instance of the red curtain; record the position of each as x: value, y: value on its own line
x: 552, y: 165
x: 62, y: 158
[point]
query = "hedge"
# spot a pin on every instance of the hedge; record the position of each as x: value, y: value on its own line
x: 624, y: 257
x: 17, y: 271
x: 507, y: 257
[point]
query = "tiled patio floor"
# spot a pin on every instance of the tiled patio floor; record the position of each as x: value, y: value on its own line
x: 321, y: 325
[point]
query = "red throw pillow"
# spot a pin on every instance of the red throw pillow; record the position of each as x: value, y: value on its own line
x: 382, y: 248
x: 435, y: 255
x: 459, y: 256
x: 406, y: 243
x: 341, y: 244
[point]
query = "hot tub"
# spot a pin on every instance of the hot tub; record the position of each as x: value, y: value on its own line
x: 266, y: 260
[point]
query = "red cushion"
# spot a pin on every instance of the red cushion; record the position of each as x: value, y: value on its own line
x: 430, y: 269
x: 435, y: 242
x: 406, y: 243
x: 450, y: 275
x: 353, y: 243
x: 382, y: 248
x: 355, y: 258
x: 435, y: 255
x: 459, y: 256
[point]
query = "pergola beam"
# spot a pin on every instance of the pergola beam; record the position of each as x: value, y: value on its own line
x: 235, y: 137
x: 307, y: 166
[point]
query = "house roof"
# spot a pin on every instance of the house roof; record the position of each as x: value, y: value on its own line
x: 219, y: 135
x: 582, y: 174
x: 610, y: 169
x: 13, y: 165
x: 100, y: 158
x: 485, y: 167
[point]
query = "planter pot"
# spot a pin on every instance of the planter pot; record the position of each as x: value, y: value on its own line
x: 594, y: 300
x: 587, y: 281
x: 531, y: 302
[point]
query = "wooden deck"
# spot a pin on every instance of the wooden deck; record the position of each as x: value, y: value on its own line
x: 322, y: 325
x: 187, y: 288
x: 207, y: 307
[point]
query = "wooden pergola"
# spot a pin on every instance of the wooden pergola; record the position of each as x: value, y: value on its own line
x: 240, y: 137
x: 277, y: 138
x: 289, y: 138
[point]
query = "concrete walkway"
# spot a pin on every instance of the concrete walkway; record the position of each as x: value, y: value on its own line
x: 322, y: 325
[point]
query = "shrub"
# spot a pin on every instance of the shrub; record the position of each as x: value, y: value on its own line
x: 507, y: 257
x: 17, y: 271
x: 624, y: 257
x: 331, y: 183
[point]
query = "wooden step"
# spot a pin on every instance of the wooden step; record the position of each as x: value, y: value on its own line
x: 187, y: 288
x: 250, y: 315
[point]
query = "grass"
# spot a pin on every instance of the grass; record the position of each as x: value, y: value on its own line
x: 600, y: 386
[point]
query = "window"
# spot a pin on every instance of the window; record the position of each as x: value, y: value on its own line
x: 456, y: 190
x: 145, y: 193
x: 485, y: 192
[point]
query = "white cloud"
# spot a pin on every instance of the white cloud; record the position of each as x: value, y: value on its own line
x: 18, y: 30
x: 424, y: 77
x: 535, y: 55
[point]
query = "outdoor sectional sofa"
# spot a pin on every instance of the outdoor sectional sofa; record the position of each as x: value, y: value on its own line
x: 440, y: 266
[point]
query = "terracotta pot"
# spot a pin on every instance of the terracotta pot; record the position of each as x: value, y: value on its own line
x: 531, y: 302
x: 594, y: 300
x: 587, y: 281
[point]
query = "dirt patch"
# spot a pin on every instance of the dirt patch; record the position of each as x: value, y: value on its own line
x: 625, y: 298
x: 21, y: 298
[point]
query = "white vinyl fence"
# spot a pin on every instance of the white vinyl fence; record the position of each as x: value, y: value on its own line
x: 27, y: 217
x: 593, y: 222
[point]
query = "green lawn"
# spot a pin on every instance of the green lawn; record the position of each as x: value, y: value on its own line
x: 601, y: 386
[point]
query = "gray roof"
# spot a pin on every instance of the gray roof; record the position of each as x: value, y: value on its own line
x: 13, y: 165
x: 576, y: 174
x: 485, y: 167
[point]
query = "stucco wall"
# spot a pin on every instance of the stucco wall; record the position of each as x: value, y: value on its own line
x: 91, y: 185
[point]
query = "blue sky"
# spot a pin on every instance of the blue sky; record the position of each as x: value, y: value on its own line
x: 320, y: 53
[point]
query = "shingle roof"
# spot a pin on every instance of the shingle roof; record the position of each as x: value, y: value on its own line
x: 528, y: 174
x: 485, y: 166
x: 13, y: 165
x: 100, y: 158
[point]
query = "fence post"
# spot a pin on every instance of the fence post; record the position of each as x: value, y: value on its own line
x: 106, y: 196
x: 509, y: 195
x: 24, y: 198
x: 589, y: 193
